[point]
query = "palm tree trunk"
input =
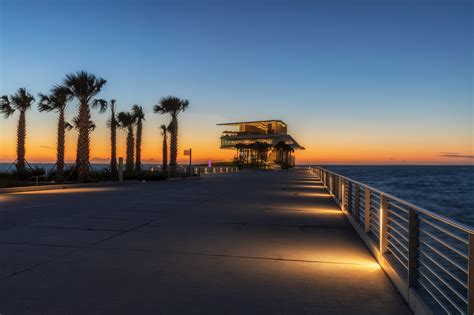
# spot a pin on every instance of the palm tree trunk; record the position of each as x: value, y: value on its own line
x: 138, y: 158
x: 60, y: 149
x: 174, y: 142
x: 20, y: 147
x: 83, y: 141
x: 113, y: 145
x: 130, y: 142
x: 165, y: 152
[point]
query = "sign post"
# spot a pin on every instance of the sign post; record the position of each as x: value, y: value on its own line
x: 190, y: 153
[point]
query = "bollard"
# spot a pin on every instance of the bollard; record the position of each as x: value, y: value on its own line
x: 120, y: 169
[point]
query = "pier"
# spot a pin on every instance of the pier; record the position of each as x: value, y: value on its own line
x: 246, y: 242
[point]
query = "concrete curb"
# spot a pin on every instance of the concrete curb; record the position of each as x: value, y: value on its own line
x: 60, y: 186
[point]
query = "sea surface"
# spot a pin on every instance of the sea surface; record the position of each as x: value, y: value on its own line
x: 447, y: 190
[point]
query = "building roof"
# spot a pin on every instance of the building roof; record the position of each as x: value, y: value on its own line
x: 251, y: 122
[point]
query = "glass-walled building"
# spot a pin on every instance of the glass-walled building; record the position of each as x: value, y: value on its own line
x: 260, y: 143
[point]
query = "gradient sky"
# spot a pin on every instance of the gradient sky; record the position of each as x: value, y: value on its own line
x: 386, y: 82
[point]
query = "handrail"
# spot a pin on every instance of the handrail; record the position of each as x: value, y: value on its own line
x: 429, y: 213
x: 430, y: 252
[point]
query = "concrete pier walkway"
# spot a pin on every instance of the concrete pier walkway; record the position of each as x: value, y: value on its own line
x: 244, y: 243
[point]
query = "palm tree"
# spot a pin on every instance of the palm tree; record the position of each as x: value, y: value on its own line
x: 172, y: 105
x: 139, y: 117
x: 84, y: 86
x: 57, y: 101
x: 112, y: 123
x: 164, y: 133
x: 20, y: 101
x: 126, y: 121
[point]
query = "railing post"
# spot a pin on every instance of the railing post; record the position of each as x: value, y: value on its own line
x: 343, y: 196
x: 383, y: 223
x: 357, y: 202
x: 349, y: 196
x: 470, y: 276
x: 367, y: 211
x: 330, y: 183
x: 413, y: 246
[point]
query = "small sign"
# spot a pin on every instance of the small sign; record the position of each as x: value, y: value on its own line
x: 209, y: 163
x: 187, y: 152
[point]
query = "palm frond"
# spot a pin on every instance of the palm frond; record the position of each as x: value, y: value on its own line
x: 57, y: 99
x: 138, y: 112
x: 7, y: 109
x: 101, y: 103
x: 84, y: 85
x: 21, y: 100
x: 171, y: 105
x: 75, y: 123
x: 125, y: 119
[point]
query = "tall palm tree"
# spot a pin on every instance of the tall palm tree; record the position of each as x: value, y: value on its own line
x: 84, y: 86
x: 112, y: 123
x: 21, y: 101
x: 139, y: 117
x: 172, y: 105
x: 57, y: 101
x: 164, y: 133
x: 126, y: 121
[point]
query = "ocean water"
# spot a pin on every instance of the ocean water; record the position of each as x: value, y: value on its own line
x: 447, y: 190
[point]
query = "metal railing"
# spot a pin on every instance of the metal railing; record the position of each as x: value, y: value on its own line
x: 428, y: 255
x: 214, y: 170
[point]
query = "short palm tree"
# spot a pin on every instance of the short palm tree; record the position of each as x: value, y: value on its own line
x: 164, y: 133
x: 112, y: 123
x: 172, y: 105
x: 139, y: 118
x: 57, y: 101
x: 84, y: 86
x: 127, y: 121
x: 21, y: 101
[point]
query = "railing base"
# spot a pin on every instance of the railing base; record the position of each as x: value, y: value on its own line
x: 412, y: 296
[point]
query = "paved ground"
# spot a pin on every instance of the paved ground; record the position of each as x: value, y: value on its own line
x: 250, y: 242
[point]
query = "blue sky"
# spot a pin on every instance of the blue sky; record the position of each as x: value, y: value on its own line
x: 388, y: 72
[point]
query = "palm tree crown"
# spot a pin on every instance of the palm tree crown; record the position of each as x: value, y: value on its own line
x: 56, y: 101
x: 84, y: 85
x: 21, y: 101
x: 171, y: 105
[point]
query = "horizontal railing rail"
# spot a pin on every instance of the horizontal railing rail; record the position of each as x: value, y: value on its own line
x: 428, y: 252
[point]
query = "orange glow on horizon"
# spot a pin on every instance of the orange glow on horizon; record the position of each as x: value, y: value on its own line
x: 201, y: 134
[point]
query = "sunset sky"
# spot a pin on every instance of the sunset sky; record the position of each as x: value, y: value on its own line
x: 377, y: 82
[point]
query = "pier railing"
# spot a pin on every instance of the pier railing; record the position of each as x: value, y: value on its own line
x: 429, y: 257
x: 214, y: 170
